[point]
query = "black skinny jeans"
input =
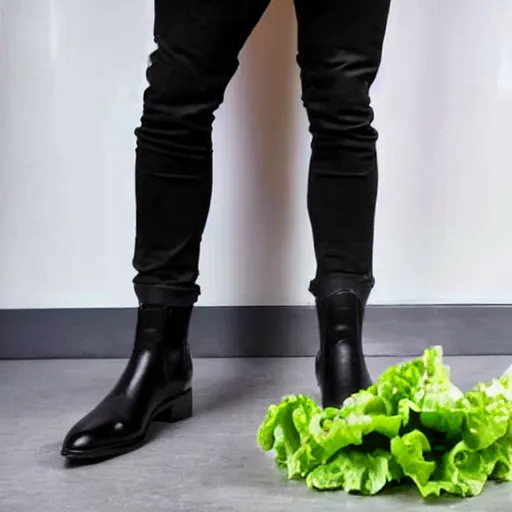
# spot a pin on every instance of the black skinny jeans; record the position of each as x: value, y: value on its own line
x: 198, y: 42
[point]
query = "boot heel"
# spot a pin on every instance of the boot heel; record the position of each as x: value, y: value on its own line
x: 179, y: 409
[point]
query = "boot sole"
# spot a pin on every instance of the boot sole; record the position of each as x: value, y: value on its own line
x: 177, y: 409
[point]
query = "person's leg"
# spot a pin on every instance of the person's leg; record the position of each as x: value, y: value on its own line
x: 340, y: 47
x: 198, y: 43
x: 197, y: 54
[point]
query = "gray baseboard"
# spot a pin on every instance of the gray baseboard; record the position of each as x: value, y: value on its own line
x: 257, y: 331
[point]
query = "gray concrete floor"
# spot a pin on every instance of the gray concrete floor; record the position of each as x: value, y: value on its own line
x: 208, y: 463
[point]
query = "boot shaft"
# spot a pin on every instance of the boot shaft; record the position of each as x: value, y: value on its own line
x: 340, y: 310
x: 160, y: 351
x: 340, y: 366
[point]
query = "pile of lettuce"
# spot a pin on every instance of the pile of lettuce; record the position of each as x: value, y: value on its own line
x: 413, y: 425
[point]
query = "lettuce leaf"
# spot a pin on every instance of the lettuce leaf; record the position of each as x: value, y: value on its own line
x: 503, y: 460
x: 286, y: 430
x: 423, y: 386
x: 340, y: 431
x: 487, y: 412
x: 355, y: 471
x: 460, y: 471
x: 409, y: 451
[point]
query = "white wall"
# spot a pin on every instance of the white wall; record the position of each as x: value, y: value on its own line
x: 71, y: 79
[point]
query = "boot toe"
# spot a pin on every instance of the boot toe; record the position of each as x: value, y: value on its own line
x: 78, y: 443
x: 95, y: 441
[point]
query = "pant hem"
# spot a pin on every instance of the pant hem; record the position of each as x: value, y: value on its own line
x: 166, y: 295
x: 324, y: 286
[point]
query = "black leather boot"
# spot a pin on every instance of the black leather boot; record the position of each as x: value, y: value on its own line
x: 155, y: 386
x: 340, y: 365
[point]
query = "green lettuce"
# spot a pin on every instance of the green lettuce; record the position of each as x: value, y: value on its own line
x: 286, y: 429
x: 487, y: 409
x: 356, y: 471
x: 412, y: 425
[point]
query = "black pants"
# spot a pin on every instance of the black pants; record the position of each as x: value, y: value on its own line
x: 198, y: 42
